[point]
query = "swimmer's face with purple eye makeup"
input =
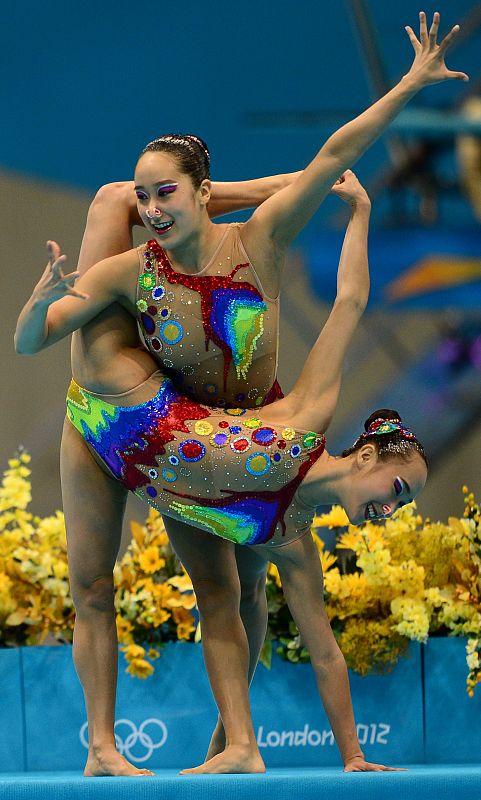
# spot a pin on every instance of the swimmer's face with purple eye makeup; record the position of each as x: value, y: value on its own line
x: 379, y: 487
x: 168, y: 205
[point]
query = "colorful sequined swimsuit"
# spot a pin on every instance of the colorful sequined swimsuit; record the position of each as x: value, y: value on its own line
x: 223, y: 471
x: 214, y: 333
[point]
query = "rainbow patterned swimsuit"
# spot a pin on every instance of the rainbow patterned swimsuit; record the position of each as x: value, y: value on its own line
x: 214, y: 333
x: 220, y: 470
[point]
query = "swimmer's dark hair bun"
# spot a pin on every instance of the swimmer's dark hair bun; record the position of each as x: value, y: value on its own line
x: 382, y: 413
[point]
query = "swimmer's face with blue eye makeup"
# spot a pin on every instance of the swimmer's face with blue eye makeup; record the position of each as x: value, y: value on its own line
x: 382, y: 487
x: 401, y: 487
x: 163, y: 190
x: 166, y: 199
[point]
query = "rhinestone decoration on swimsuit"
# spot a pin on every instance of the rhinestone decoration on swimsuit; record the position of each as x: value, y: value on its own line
x: 126, y: 436
x: 213, y: 334
x: 232, y: 311
x: 189, y: 461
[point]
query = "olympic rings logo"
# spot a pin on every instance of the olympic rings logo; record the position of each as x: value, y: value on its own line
x: 134, y: 736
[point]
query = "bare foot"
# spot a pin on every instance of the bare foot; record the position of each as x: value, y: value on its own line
x: 235, y: 758
x: 217, y: 742
x: 110, y: 762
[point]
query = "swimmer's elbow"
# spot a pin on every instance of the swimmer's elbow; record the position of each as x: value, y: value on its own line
x: 25, y: 348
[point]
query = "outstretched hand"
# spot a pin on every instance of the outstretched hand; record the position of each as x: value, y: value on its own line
x: 350, y: 189
x: 358, y: 764
x: 428, y: 66
x: 54, y: 284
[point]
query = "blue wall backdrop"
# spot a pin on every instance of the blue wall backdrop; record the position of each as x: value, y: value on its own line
x: 85, y: 85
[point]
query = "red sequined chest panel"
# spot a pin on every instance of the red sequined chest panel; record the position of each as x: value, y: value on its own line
x: 215, y: 334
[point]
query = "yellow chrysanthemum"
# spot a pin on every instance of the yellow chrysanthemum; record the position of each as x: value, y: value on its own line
x: 181, y: 582
x: 150, y: 560
x: 327, y: 561
x: 336, y: 518
x: 181, y: 615
x: 353, y: 539
x: 140, y: 668
x: 5, y: 582
x: 273, y: 572
x: 185, y: 630
x: 124, y: 630
x: 159, y: 616
x: 134, y: 651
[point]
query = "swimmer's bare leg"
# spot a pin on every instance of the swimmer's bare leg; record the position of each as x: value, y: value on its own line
x: 94, y: 507
x: 253, y: 610
x: 211, y: 564
x: 108, y: 231
x: 300, y: 571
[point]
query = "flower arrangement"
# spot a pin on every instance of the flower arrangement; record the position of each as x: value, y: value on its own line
x: 34, y: 589
x: 385, y: 583
x: 153, y: 594
x: 153, y: 597
x: 405, y: 579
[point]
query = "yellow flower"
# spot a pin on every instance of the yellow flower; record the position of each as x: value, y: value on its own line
x: 273, y: 572
x: 124, y: 630
x: 160, y: 539
x: 181, y: 582
x: 5, y: 582
x: 162, y: 594
x: 332, y: 581
x: 336, y: 518
x: 153, y: 654
x: 134, y: 651
x: 139, y: 532
x: 60, y: 569
x: 370, y: 644
x: 184, y: 630
x: 159, y: 616
x: 53, y: 529
x: 373, y: 565
x: 472, y: 660
x: 327, y: 561
x: 140, y: 668
x: 412, y: 618
x: 181, y: 615
x: 150, y: 560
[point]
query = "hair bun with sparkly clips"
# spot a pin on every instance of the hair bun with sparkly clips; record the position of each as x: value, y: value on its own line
x: 392, y: 438
x: 381, y: 425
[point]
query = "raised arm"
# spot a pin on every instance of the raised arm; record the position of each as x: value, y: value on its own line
x: 280, y: 218
x: 58, y: 305
x: 313, y: 399
x: 229, y: 196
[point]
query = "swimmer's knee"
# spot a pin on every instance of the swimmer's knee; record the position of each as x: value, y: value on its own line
x: 253, y: 591
x: 213, y: 597
x: 93, y: 596
x: 112, y: 195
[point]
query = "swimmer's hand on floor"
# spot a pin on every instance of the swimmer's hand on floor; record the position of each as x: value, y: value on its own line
x: 54, y: 284
x: 357, y: 764
x: 428, y: 66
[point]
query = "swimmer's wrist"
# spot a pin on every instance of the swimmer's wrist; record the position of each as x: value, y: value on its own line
x: 40, y: 301
x: 361, y: 204
x: 357, y: 756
